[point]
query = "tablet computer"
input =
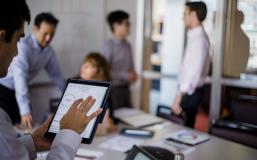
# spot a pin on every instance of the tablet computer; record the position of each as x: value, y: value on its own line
x: 76, y: 89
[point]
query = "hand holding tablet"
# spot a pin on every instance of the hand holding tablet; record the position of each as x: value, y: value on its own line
x: 77, y: 114
x: 76, y: 118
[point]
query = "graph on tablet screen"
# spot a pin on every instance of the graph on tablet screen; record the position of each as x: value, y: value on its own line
x: 73, y: 92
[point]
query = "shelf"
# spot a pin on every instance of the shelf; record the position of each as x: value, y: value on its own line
x: 234, y: 82
x: 153, y: 75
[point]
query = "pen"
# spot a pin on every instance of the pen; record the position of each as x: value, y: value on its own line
x: 177, y: 141
x: 87, y: 157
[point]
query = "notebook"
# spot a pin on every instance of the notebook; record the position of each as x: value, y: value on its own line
x: 136, y: 118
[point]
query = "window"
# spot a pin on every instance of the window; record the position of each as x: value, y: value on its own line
x: 249, y: 26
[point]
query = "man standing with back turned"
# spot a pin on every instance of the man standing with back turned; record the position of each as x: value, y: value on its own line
x: 195, y: 65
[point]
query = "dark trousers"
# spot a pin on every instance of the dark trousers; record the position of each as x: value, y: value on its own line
x: 9, y: 104
x: 120, y: 97
x: 190, y: 104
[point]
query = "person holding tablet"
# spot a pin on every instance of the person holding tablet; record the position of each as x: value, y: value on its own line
x: 13, y: 15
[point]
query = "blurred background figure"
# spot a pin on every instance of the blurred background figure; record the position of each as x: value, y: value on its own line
x: 34, y: 55
x: 117, y: 51
x: 195, y: 65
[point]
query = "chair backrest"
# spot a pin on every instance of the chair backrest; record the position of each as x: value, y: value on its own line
x: 242, y: 128
x: 166, y: 113
x: 53, y: 104
x: 244, y: 109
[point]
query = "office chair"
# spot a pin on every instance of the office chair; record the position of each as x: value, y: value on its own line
x: 241, y: 125
x: 53, y: 105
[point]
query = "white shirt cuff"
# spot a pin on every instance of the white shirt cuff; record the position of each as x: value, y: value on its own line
x: 185, y: 88
x: 29, y: 144
x: 24, y: 108
x: 69, y: 138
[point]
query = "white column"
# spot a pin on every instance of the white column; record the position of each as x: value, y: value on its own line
x: 172, y: 49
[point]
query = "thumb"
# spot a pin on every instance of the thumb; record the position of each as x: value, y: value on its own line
x: 47, y: 122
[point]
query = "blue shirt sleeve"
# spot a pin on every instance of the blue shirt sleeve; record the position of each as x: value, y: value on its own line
x: 20, y: 76
x: 53, y: 69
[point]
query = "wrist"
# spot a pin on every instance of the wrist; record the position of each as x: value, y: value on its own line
x: 34, y: 140
x: 181, y: 94
x: 28, y: 141
x: 178, y: 98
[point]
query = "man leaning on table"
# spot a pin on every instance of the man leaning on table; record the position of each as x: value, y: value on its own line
x: 13, y: 15
x: 195, y: 65
x: 35, y: 54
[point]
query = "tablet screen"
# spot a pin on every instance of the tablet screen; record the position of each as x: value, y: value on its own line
x: 141, y: 156
x: 73, y: 92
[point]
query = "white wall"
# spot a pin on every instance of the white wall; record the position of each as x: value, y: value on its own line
x: 172, y: 49
x: 82, y: 29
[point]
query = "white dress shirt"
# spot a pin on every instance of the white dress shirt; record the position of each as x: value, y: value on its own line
x: 64, y: 146
x: 196, y: 62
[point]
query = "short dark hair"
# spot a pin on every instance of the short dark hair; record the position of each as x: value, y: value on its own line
x: 12, y: 15
x: 116, y: 17
x: 200, y: 9
x: 45, y: 17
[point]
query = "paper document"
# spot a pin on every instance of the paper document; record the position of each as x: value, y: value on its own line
x: 85, y: 154
x: 121, y: 143
x: 188, y: 137
x: 136, y: 118
x: 82, y: 154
